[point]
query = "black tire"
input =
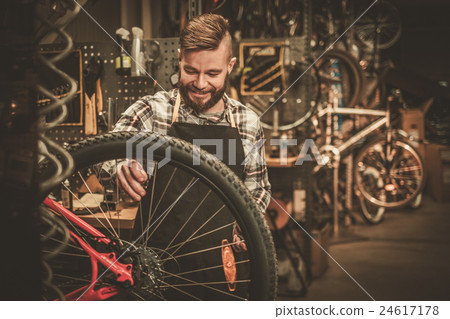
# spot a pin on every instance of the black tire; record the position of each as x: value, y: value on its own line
x: 223, y: 183
x: 385, y: 186
x: 351, y: 75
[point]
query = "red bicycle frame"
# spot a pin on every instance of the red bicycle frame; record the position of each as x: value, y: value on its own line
x: 122, y: 272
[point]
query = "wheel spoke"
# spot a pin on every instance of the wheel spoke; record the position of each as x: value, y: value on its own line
x: 67, y: 254
x: 152, y: 195
x: 405, y: 177
x: 208, y: 268
x: 167, y: 212
x: 193, y: 283
x: 67, y: 244
x: 165, y: 190
x: 100, y: 179
x: 201, y: 235
x: 151, y: 292
x: 71, y: 278
x: 180, y: 290
x: 107, y: 206
x: 134, y: 293
x: 100, y: 206
x: 153, y: 211
x: 408, y: 169
x: 117, y: 196
x: 201, y: 251
x: 198, y: 229
x: 205, y: 284
x: 187, y: 220
x: 88, y: 209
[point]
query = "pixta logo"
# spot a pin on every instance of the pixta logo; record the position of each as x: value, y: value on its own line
x: 254, y: 151
x: 142, y: 146
x: 148, y: 142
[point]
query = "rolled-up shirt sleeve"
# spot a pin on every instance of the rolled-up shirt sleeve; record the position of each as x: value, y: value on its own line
x: 256, y: 175
x: 137, y: 117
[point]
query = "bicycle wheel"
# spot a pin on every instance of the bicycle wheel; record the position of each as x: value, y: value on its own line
x: 389, y: 178
x: 176, y: 255
x: 339, y: 71
x: 297, y: 104
x: 383, y: 19
x: 371, y: 213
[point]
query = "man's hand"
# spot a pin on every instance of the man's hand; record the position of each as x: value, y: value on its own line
x: 131, y: 177
x: 238, y: 241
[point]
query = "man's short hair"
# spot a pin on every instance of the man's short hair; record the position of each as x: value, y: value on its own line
x: 205, y: 32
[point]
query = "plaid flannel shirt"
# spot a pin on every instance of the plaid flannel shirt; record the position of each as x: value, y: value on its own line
x: 154, y: 113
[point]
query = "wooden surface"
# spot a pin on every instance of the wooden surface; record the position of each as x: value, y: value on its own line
x: 124, y: 218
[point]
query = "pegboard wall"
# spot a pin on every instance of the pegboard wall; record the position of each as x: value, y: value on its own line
x: 117, y: 91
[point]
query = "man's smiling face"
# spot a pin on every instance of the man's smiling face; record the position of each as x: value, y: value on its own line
x: 203, y: 77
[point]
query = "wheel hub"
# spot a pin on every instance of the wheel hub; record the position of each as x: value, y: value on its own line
x: 147, y: 272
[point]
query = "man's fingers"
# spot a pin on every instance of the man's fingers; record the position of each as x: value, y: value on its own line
x: 239, y: 245
x: 135, y: 185
x: 126, y: 182
x: 138, y: 172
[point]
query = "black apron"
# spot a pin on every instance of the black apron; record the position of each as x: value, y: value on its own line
x: 228, y: 134
x: 172, y: 183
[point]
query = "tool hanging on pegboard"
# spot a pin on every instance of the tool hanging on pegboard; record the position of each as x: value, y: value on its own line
x: 160, y: 63
x: 93, y: 101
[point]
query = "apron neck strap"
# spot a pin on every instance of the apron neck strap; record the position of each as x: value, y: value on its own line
x: 230, y: 115
x: 176, y: 109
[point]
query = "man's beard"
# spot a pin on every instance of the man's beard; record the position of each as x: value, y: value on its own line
x: 198, y: 106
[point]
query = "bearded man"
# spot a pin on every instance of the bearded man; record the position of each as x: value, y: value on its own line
x: 201, y: 109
